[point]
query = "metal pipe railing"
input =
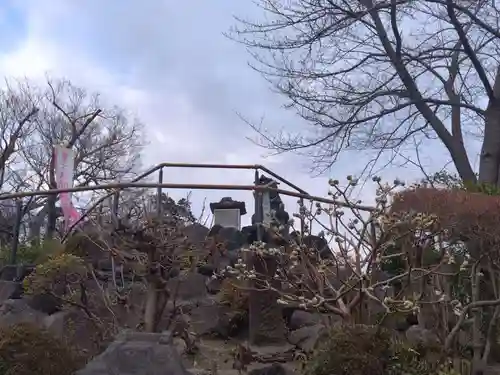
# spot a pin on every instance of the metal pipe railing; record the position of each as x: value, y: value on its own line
x: 160, y: 167
x: 128, y: 185
x: 223, y: 166
x: 134, y: 183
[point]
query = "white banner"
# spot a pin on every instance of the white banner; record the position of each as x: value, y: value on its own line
x: 64, y: 162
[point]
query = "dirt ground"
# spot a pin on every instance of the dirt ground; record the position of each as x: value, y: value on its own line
x: 219, y: 355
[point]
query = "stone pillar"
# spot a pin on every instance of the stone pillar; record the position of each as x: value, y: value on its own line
x: 266, y: 324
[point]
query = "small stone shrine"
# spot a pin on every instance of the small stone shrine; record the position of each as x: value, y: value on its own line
x: 227, y: 212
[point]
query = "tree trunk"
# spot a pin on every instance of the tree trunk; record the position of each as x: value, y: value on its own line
x: 489, y: 173
x: 51, y: 201
x: 489, y: 162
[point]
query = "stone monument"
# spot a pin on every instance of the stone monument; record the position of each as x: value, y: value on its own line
x: 266, y: 324
x: 226, y: 230
x: 227, y: 212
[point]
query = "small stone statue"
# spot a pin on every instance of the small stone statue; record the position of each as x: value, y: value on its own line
x: 280, y: 216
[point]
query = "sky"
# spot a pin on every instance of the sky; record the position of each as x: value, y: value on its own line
x: 169, y: 63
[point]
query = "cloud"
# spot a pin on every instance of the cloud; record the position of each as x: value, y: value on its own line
x: 167, y: 62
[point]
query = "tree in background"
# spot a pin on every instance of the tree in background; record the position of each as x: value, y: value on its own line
x: 376, y: 75
x: 106, y: 140
x: 384, y: 75
x: 143, y: 204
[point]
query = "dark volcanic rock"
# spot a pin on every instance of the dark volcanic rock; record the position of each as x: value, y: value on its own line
x: 134, y: 353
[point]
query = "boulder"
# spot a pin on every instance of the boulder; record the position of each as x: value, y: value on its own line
x: 75, y: 327
x: 213, y: 285
x: 307, y: 337
x: 217, y: 320
x: 15, y: 272
x: 188, y: 286
x: 137, y: 353
x: 313, y: 242
x: 301, y: 319
x: 15, y: 311
x: 396, y: 321
x: 196, y: 233
x: 417, y: 335
x: 232, y: 237
x: 45, y: 303
x: 207, y: 269
x: 10, y: 290
x: 273, y: 369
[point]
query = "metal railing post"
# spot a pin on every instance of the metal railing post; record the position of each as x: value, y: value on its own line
x: 302, y: 219
x: 159, y: 206
x: 258, y: 207
x: 16, y: 231
x: 114, y: 208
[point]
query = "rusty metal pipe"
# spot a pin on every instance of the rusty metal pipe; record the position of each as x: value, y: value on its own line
x: 128, y: 185
x: 133, y: 184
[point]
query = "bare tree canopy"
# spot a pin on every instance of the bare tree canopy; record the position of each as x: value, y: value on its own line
x: 106, y: 140
x: 375, y: 74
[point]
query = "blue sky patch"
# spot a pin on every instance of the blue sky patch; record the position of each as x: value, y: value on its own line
x: 12, y: 26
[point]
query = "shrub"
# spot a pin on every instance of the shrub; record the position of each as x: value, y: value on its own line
x: 33, y: 252
x: 366, y: 350
x: 407, y: 360
x: 351, y: 350
x: 27, y: 350
x: 55, y: 275
x: 87, y: 246
x: 464, y: 214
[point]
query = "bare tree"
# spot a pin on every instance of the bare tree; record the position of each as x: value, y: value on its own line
x: 140, y: 204
x: 403, y: 255
x: 373, y: 74
x: 107, y: 142
x: 17, y: 112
